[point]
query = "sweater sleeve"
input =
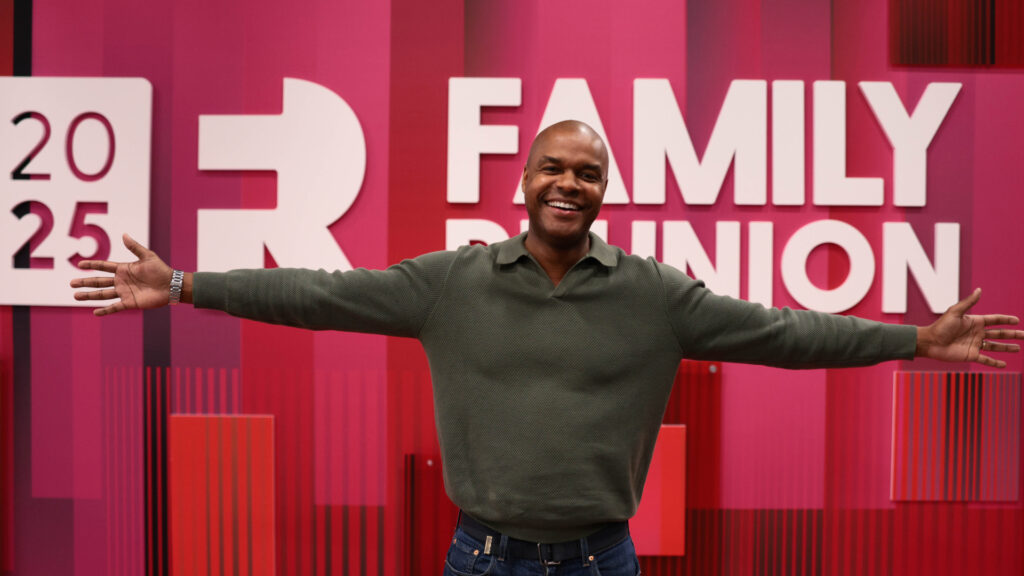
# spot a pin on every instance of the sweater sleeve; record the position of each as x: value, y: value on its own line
x: 394, y: 302
x: 713, y: 327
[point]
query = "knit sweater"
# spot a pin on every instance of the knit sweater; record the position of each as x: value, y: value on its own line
x: 548, y: 399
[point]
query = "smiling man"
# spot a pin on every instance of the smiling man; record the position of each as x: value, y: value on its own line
x: 564, y: 180
x: 552, y: 356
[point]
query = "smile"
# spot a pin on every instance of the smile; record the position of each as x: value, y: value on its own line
x: 562, y: 205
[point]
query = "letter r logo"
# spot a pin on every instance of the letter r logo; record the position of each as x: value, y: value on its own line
x: 317, y: 148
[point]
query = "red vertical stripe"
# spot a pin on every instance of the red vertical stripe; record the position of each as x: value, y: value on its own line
x: 245, y: 524
x: 263, y: 496
x: 936, y: 412
x: 915, y: 427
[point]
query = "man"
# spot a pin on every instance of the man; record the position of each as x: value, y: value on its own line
x: 552, y: 356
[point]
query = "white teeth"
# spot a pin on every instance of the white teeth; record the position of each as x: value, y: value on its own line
x: 562, y: 205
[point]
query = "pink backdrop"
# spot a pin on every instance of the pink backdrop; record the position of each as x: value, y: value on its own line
x: 802, y: 459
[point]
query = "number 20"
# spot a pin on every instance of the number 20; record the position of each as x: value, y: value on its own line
x: 19, y: 171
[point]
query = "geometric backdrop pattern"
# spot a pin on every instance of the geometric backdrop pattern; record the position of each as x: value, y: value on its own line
x: 955, y: 436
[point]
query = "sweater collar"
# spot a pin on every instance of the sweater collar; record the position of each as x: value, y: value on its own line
x: 515, y: 248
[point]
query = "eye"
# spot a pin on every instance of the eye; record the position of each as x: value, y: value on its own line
x: 550, y: 169
x: 591, y: 177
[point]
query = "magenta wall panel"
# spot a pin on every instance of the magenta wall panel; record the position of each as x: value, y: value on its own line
x: 956, y: 436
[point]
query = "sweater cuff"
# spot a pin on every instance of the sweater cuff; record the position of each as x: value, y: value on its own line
x: 900, y: 342
x: 210, y: 290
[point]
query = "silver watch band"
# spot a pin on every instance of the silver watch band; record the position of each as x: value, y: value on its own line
x: 177, y: 280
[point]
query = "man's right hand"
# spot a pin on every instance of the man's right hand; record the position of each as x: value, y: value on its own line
x: 142, y: 284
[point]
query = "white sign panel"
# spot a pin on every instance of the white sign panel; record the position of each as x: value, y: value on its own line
x: 74, y: 175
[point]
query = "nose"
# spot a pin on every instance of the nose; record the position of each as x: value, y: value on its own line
x: 568, y: 182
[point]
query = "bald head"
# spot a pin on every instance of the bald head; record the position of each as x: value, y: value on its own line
x: 566, y: 127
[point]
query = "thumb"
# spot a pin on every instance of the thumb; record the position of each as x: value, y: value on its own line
x: 137, y: 249
x: 964, y: 306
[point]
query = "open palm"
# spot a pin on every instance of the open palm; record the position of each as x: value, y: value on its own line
x: 135, y: 285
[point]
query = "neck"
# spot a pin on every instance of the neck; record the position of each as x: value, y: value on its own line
x: 556, y: 260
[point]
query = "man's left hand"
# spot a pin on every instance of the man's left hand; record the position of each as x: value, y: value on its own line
x: 961, y: 337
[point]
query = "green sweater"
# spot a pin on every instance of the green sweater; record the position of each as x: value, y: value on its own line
x: 548, y: 399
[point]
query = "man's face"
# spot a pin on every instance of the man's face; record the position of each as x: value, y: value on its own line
x: 564, y: 182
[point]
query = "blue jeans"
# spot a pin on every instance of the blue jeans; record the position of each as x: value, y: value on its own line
x: 466, y: 558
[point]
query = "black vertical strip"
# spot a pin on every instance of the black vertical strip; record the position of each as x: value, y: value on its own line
x: 22, y: 39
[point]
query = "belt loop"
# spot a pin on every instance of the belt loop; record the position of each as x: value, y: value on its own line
x: 502, y: 548
x: 585, y: 552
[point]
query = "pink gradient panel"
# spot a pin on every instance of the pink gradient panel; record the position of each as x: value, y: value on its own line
x: 52, y: 406
x: 350, y: 438
x: 659, y: 527
x: 773, y: 438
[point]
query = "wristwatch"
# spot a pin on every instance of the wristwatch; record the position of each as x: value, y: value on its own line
x: 177, y: 279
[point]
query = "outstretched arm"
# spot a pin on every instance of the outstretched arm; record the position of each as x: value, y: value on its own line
x: 961, y: 337
x: 142, y: 284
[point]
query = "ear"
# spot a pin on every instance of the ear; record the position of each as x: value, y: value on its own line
x: 522, y: 181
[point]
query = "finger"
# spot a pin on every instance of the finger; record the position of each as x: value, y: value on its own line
x: 106, y: 310
x: 101, y: 265
x: 989, y: 361
x: 961, y: 307
x: 93, y: 282
x: 139, y: 250
x: 1004, y: 334
x: 991, y: 346
x: 994, y: 319
x: 107, y: 294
